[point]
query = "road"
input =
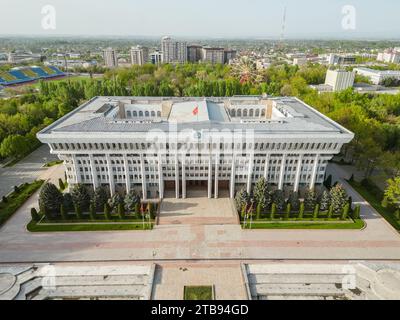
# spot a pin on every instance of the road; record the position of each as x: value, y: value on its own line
x: 27, y: 170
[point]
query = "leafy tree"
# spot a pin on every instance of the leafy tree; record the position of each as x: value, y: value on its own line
x: 279, y: 199
x: 99, y: 199
x: 67, y: 202
x: 50, y: 198
x: 61, y: 184
x: 115, y: 201
x: 288, y: 211
x: 80, y: 196
x: 107, y: 213
x: 131, y: 200
x: 338, y: 198
x: 310, y: 200
x: 357, y: 212
x: 63, y: 213
x: 392, y: 192
x: 34, y: 215
x: 325, y: 201
x: 346, y: 211
x: 316, y: 211
x: 78, y: 212
x: 294, y: 200
x: 301, y: 210
x: 273, y: 211
x: 14, y: 146
x: 92, y: 211
x: 328, y: 182
x: 121, y: 211
x: 241, y: 199
x: 260, y: 193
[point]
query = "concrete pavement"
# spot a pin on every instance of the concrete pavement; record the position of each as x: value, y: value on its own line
x: 378, y: 241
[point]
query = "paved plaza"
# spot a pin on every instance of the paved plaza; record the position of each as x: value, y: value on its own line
x: 226, y: 278
x: 197, y: 209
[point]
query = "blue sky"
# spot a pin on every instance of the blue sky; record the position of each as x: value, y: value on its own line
x: 203, y: 18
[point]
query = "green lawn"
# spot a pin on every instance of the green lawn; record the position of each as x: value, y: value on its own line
x: 34, y: 227
x: 376, y: 203
x: 356, y: 225
x: 17, y: 199
x: 198, y: 293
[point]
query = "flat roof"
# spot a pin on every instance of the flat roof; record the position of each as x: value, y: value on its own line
x: 108, y: 114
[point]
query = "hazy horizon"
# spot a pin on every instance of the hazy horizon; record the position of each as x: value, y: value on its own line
x: 223, y: 19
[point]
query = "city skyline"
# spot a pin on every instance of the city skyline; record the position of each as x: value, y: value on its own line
x: 263, y: 19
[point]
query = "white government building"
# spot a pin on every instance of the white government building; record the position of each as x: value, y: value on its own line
x: 162, y: 147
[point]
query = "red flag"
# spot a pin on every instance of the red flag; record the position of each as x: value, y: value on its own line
x: 196, y: 111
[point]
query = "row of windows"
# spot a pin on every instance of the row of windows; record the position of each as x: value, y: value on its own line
x: 192, y: 146
x: 141, y: 114
x: 247, y: 113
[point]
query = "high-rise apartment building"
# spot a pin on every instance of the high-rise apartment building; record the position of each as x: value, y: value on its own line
x: 173, y: 51
x: 156, y: 57
x: 194, y: 53
x: 110, y: 58
x: 213, y: 55
x: 139, y: 55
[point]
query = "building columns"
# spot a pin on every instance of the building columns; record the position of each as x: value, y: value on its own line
x: 143, y: 174
x: 110, y: 175
x: 94, y: 173
x: 184, y: 177
x: 177, y: 177
x: 160, y: 178
x: 250, y: 174
x: 77, y: 172
x: 127, y: 175
x: 266, y: 168
x: 282, y: 173
x: 298, y: 173
x: 314, y: 172
x: 233, y: 177
x: 216, y: 176
x: 210, y: 177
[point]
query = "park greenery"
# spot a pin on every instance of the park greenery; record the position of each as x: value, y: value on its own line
x: 84, y: 205
x: 11, y: 203
x: 265, y: 204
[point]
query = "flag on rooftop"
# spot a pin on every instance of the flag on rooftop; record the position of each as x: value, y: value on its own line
x: 196, y: 111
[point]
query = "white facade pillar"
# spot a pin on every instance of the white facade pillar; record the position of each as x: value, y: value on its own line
x: 177, y: 175
x: 250, y: 174
x: 282, y: 173
x: 266, y: 168
x: 110, y: 175
x: 298, y: 173
x: 210, y: 177
x: 94, y: 172
x: 127, y: 175
x: 76, y: 168
x: 233, y: 177
x: 143, y: 174
x: 314, y: 172
x: 184, y: 177
x: 160, y: 178
x: 216, y: 187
